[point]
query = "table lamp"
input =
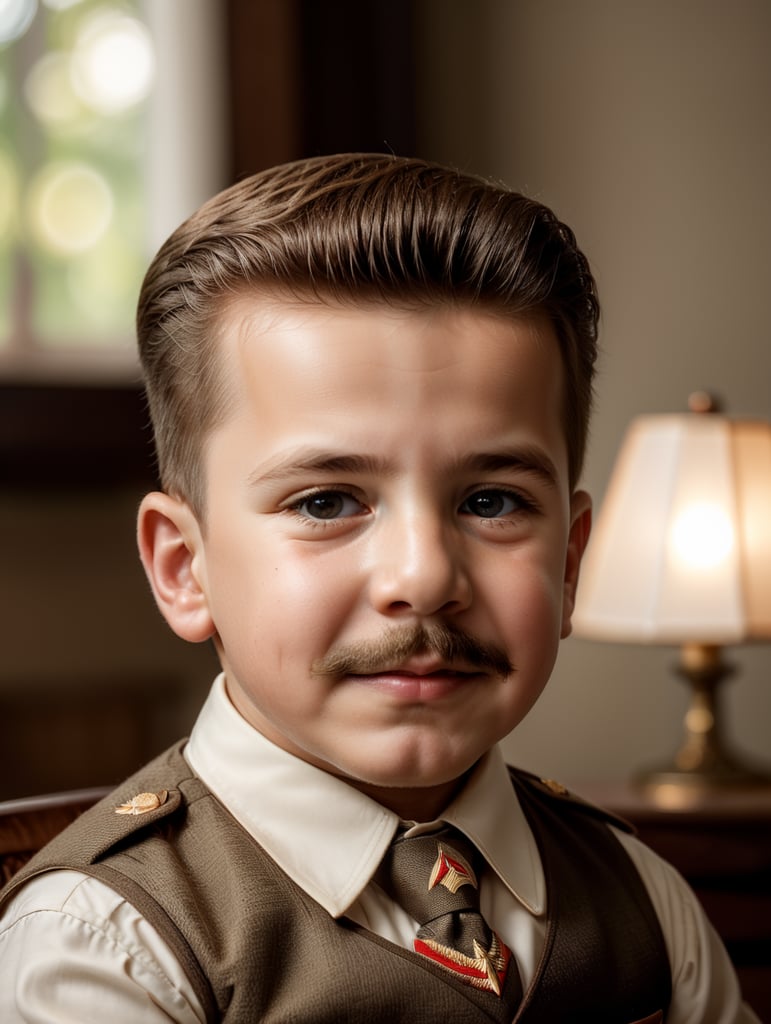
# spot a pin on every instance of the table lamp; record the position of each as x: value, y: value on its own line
x: 681, y: 554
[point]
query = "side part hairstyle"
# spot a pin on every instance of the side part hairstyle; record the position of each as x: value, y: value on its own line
x: 350, y: 229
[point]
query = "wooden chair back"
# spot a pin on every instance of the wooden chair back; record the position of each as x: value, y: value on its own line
x: 28, y: 824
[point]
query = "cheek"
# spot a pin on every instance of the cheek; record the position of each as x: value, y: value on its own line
x: 528, y: 606
x: 286, y: 598
x: 322, y: 605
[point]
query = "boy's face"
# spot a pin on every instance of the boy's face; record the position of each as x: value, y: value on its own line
x: 383, y: 472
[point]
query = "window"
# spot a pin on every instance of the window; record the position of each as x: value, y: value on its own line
x: 111, y: 117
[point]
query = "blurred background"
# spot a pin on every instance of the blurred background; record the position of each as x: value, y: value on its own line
x: 643, y: 123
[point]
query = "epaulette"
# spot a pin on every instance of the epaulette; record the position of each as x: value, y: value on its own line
x: 143, y: 803
x: 556, y: 793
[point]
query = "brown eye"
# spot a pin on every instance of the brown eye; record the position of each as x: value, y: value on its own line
x: 492, y: 504
x: 328, y: 505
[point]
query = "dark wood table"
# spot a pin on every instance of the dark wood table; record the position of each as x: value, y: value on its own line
x: 721, y: 843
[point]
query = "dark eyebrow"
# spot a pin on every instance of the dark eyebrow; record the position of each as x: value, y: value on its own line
x: 527, y: 459
x: 321, y: 461
x: 524, y: 459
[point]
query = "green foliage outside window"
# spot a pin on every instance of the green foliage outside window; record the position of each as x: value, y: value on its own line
x: 74, y: 80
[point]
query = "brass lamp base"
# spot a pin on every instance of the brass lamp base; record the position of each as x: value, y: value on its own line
x: 702, y: 765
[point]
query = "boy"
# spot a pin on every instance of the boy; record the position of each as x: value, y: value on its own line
x: 370, y: 382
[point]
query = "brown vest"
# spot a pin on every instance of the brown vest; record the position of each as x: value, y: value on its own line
x: 258, y: 948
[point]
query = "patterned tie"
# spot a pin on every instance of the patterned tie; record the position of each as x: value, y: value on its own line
x: 433, y: 878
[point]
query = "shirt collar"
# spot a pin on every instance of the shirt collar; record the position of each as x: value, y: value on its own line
x: 285, y: 804
x: 488, y: 812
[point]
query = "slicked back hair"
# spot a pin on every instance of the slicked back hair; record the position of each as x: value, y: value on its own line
x: 348, y: 229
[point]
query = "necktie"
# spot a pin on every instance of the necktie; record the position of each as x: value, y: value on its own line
x: 432, y: 876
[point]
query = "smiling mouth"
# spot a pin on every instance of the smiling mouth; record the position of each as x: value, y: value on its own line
x: 421, y: 665
x: 425, y: 686
x: 457, y: 673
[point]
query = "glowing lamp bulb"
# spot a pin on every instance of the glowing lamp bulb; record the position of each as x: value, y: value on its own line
x: 702, y: 536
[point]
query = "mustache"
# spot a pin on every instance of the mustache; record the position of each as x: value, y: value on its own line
x: 452, y: 645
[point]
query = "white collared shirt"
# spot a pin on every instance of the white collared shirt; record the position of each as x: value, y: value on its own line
x: 74, y: 952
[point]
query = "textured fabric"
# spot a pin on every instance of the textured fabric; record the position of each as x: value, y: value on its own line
x: 596, y: 902
x: 434, y: 877
x: 261, y: 949
x: 87, y: 957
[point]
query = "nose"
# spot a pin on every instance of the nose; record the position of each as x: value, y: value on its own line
x: 418, y: 567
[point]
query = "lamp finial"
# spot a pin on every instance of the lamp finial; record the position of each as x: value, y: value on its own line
x: 703, y: 401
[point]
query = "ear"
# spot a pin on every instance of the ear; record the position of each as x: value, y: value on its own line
x: 171, y: 549
x: 578, y: 537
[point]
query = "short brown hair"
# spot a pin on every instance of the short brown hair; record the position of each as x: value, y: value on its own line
x: 348, y: 228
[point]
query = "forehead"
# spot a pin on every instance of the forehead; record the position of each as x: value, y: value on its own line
x: 301, y: 367
x: 428, y: 335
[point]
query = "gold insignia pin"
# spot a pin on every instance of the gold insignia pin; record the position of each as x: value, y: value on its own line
x: 555, y: 787
x: 143, y: 802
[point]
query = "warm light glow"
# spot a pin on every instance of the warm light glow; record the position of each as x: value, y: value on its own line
x: 70, y: 207
x: 681, y: 549
x: 674, y: 797
x: 113, y: 62
x: 15, y: 18
x: 702, y: 536
x: 49, y: 91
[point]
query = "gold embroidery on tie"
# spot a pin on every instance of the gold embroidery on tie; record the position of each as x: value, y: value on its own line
x: 452, y: 871
x: 486, y: 970
x: 143, y: 802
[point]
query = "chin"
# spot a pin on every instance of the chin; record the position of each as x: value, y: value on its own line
x: 419, y: 771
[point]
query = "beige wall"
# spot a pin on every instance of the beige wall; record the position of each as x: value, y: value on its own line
x: 92, y: 681
x: 645, y: 124
x: 79, y: 604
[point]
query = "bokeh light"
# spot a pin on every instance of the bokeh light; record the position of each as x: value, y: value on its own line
x: 9, y: 198
x: 73, y: 95
x: 113, y: 62
x: 70, y: 208
x: 60, y: 5
x: 16, y: 16
x: 49, y: 93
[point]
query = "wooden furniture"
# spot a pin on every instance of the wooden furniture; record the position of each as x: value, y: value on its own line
x: 27, y: 825
x: 722, y: 845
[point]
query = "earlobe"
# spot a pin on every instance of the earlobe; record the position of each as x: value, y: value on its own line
x: 578, y: 538
x: 171, y: 550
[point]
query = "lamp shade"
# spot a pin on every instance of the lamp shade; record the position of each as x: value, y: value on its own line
x: 681, y: 550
